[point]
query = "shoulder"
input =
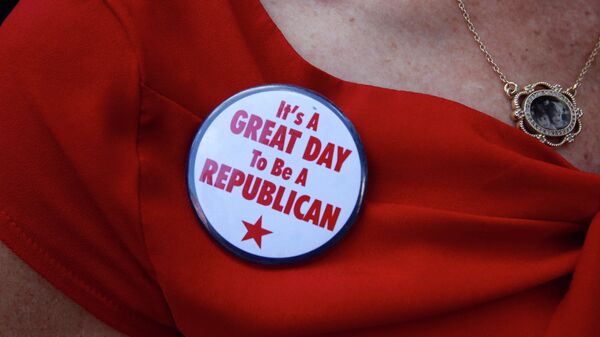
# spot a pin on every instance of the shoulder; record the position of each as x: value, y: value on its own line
x: 30, y: 306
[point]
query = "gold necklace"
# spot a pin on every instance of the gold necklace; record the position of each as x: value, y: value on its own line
x: 542, y: 110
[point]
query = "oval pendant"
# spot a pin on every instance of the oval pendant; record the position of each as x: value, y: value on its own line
x: 547, y: 113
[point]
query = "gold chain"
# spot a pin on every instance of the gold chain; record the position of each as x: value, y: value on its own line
x: 587, y: 66
x: 511, y: 87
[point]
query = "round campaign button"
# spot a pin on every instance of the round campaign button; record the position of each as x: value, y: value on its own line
x: 277, y: 174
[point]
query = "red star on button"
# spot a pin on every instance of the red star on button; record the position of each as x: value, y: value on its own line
x: 255, y: 231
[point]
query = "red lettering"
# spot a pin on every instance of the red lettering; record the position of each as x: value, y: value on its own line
x: 248, y: 193
x: 265, y: 196
x: 326, y: 156
x: 301, y: 179
x: 287, y: 173
x: 276, y: 170
x: 314, y: 122
x: 255, y: 156
x: 268, y: 194
x: 266, y: 132
x: 280, y: 110
x: 237, y: 179
x: 277, y: 202
x: 298, y: 119
x: 236, y: 125
x: 254, y: 124
x: 341, y: 158
x: 288, y: 110
x: 290, y: 202
x: 222, y: 176
x: 313, y: 148
x: 313, y: 212
x: 278, y: 140
x: 210, y: 168
x: 330, y: 217
x: 298, y: 206
x: 294, y: 134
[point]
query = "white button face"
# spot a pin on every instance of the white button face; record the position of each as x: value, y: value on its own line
x: 276, y: 174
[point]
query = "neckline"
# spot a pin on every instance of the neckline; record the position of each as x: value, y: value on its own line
x: 260, y: 15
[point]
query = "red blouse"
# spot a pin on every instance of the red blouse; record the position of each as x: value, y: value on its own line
x: 469, y: 227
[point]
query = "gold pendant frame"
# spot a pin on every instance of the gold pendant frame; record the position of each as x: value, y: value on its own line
x: 546, y: 112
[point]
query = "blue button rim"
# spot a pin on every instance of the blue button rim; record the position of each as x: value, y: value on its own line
x: 200, y: 212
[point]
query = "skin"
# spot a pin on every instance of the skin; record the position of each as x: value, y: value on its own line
x: 31, y: 307
x: 420, y: 46
x: 424, y: 46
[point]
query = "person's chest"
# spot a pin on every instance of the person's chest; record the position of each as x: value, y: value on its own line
x: 428, y: 48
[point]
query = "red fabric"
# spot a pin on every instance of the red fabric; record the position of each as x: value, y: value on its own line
x: 469, y: 228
